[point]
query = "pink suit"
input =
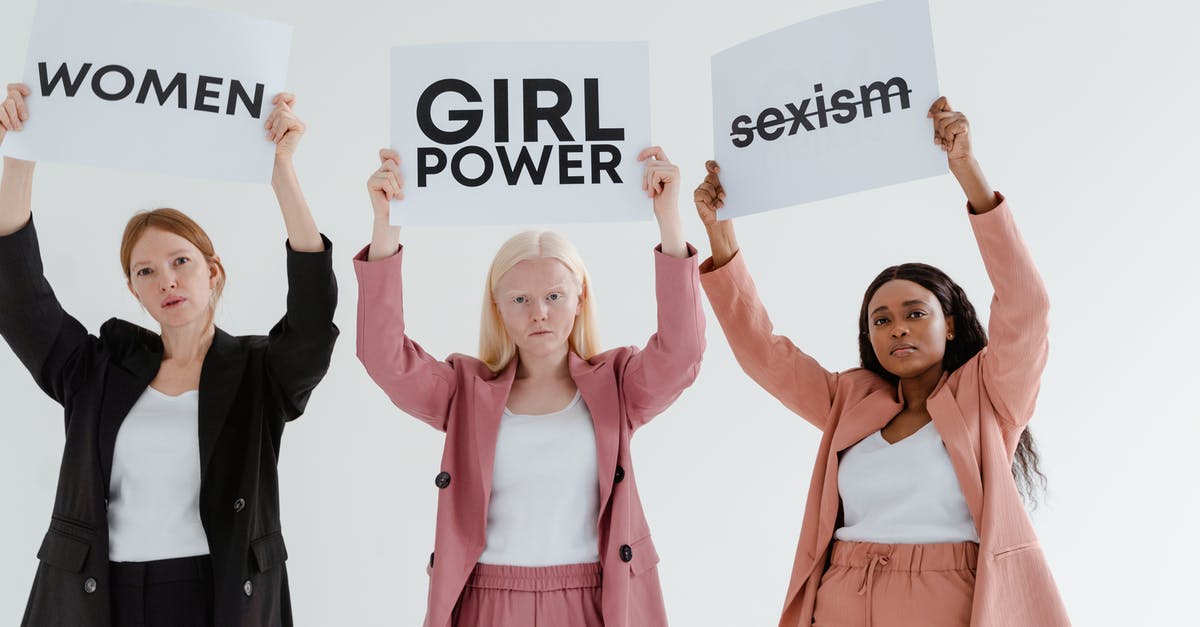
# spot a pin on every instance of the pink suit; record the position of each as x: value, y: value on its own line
x: 624, y: 388
x: 979, y: 411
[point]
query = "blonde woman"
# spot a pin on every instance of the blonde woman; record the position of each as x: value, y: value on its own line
x: 539, y: 522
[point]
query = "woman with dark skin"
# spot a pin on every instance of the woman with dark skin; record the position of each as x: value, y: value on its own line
x: 914, y: 516
x: 167, y: 509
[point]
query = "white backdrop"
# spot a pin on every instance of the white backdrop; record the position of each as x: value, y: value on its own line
x: 1082, y: 114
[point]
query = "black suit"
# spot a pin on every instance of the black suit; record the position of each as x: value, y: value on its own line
x: 249, y: 387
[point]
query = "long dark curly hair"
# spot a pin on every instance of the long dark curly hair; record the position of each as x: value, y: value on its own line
x: 969, y: 339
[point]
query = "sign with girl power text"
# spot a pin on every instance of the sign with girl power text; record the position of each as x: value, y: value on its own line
x: 518, y: 133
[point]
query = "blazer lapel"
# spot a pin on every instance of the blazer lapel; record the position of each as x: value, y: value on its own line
x: 964, y: 452
x: 220, y: 376
x: 598, y: 388
x: 124, y: 384
x: 491, y: 395
x: 870, y: 415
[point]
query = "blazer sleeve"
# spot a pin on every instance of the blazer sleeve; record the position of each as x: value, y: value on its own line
x: 655, y: 376
x: 771, y: 360
x: 300, y: 346
x: 46, y: 339
x: 416, y: 382
x: 1019, y: 324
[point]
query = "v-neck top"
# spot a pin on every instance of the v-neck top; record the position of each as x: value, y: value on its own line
x: 902, y: 493
x: 545, y: 501
x: 154, y: 491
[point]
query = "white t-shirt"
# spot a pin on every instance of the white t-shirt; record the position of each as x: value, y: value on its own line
x: 545, y: 492
x: 902, y: 493
x: 154, y: 491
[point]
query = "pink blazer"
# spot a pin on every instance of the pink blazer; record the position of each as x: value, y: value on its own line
x: 978, y: 410
x: 623, y: 388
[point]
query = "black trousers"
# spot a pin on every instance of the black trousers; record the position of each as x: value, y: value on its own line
x: 164, y: 593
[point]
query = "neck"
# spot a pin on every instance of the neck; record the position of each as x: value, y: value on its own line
x: 188, y: 343
x: 916, y: 390
x: 543, y: 367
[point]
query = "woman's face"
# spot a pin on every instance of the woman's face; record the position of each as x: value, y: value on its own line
x: 171, y: 279
x: 908, y: 329
x: 539, y: 300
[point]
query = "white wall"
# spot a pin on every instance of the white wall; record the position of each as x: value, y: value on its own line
x: 1083, y: 113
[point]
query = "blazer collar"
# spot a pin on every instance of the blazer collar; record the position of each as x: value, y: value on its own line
x: 881, y: 406
x: 598, y: 389
x: 219, y: 378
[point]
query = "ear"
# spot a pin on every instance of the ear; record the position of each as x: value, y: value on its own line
x: 214, y: 272
x: 950, y: 326
x: 582, y: 297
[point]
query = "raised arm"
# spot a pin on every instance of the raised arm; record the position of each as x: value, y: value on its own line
x: 655, y: 376
x: 416, y: 382
x: 300, y: 346
x: 771, y: 360
x: 44, y: 337
x: 1018, y: 326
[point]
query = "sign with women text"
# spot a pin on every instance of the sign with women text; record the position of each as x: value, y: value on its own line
x: 826, y: 107
x: 165, y: 89
x: 520, y: 133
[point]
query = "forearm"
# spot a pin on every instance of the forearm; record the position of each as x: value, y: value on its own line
x: 385, y: 239
x: 723, y: 242
x: 302, y: 231
x: 16, y: 193
x: 970, y: 177
x: 670, y: 229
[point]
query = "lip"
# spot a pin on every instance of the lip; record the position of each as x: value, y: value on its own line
x: 172, y: 301
x: 539, y: 332
x: 902, y: 350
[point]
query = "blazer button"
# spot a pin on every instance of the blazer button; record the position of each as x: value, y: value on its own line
x: 239, y: 505
x: 442, y: 480
x: 89, y: 586
x: 619, y: 476
x: 431, y: 560
x: 626, y: 553
x: 248, y: 588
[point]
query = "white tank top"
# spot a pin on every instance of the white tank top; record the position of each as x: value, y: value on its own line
x: 902, y: 493
x: 545, y: 493
x: 154, y: 491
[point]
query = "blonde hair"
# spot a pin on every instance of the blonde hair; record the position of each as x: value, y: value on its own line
x: 496, y: 348
x: 178, y: 223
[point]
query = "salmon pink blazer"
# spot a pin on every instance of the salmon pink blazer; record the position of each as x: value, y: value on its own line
x: 624, y: 388
x: 979, y: 410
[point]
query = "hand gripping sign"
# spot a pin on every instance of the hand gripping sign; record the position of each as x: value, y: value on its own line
x: 826, y: 107
x: 520, y: 133
x: 165, y: 89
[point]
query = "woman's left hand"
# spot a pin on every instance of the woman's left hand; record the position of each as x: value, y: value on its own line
x: 951, y: 131
x: 283, y: 127
x: 660, y: 181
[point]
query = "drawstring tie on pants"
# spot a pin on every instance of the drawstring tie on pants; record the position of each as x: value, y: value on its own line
x: 869, y: 581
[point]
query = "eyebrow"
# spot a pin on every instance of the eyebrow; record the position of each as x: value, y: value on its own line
x: 552, y: 288
x: 174, y: 253
x: 907, y: 303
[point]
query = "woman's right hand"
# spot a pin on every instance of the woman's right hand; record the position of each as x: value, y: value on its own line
x: 386, y: 184
x: 709, y: 195
x: 13, y: 112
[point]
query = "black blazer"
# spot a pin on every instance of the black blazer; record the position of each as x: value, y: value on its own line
x: 249, y: 387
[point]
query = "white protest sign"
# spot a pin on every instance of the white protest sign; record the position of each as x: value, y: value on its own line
x: 826, y: 107
x: 165, y: 89
x: 520, y: 133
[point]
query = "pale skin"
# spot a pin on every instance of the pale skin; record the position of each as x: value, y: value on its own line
x: 908, y: 328
x: 168, y: 275
x: 538, y: 299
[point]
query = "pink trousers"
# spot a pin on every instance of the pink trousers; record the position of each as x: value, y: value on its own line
x: 897, y: 585
x: 519, y: 596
